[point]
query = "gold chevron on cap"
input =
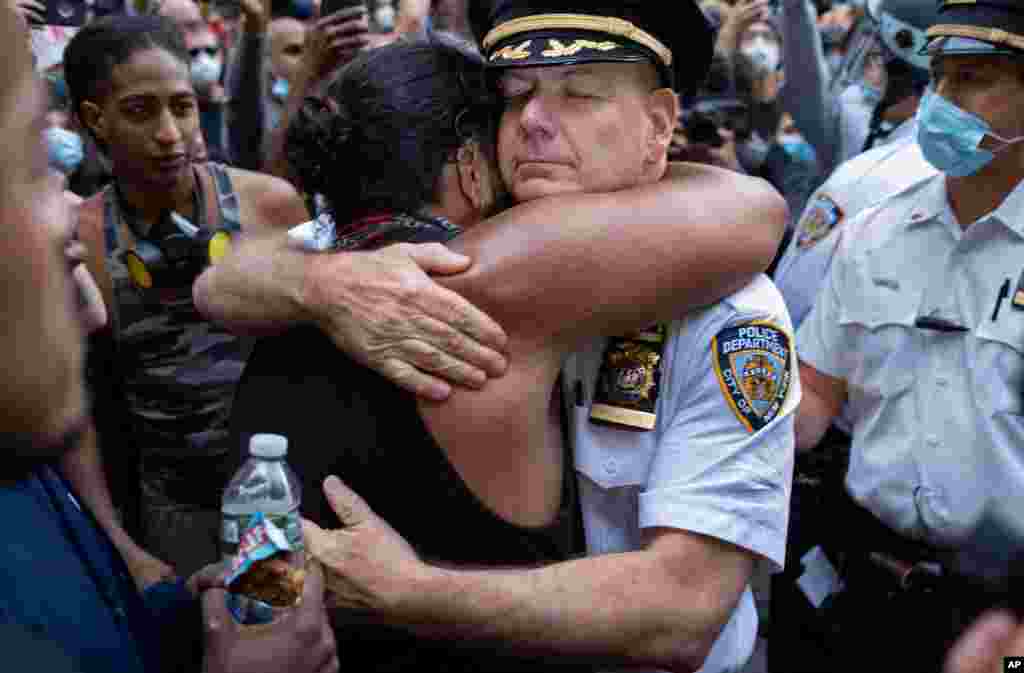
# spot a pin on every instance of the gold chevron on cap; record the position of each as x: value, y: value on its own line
x: 599, y: 24
x: 992, y: 35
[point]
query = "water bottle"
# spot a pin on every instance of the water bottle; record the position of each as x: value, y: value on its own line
x: 264, y: 495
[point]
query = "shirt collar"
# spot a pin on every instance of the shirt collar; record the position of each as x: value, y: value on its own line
x: 1011, y: 209
x: 931, y: 204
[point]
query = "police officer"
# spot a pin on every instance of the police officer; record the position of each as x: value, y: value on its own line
x: 918, y: 330
x: 895, y: 164
x: 682, y: 432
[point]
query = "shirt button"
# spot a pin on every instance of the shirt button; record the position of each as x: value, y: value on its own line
x: 942, y: 381
x: 933, y: 441
x: 611, y: 466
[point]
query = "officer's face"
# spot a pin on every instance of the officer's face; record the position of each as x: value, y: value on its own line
x: 990, y: 87
x: 581, y: 128
x: 40, y: 343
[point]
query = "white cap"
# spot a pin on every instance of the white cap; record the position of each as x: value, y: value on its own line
x: 268, y: 446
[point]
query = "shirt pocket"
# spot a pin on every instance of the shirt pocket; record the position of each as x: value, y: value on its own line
x: 999, y: 366
x: 881, y: 349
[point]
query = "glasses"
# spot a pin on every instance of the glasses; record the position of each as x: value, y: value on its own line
x: 209, y: 51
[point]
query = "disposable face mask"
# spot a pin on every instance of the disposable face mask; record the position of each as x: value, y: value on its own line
x: 279, y: 89
x: 797, y: 148
x: 205, y: 70
x: 763, y: 54
x: 950, y: 138
x: 872, y: 94
x: 384, y: 16
x: 65, y: 149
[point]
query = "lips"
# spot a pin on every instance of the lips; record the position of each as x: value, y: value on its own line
x: 170, y: 163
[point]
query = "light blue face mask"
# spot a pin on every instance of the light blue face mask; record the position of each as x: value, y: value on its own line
x: 798, y: 149
x: 65, y: 149
x: 950, y: 138
x: 279, y: 89
x: 872, y: 94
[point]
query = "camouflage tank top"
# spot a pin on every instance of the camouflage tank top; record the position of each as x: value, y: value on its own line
x: 178, y: 370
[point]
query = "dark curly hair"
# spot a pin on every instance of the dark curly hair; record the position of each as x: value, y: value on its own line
x: 95, y: 50
x: 389, y: 122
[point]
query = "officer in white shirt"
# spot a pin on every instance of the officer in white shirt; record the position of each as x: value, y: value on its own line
x: 719, y: 458
x: 920, y: 330
x: 892, y: 165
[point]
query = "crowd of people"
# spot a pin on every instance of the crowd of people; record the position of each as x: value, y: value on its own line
x: 577, y: 317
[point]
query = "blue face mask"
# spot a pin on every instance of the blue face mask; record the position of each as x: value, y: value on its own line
x: 872, y: 94
x: 950, y: 138
x: 65, y: 149
x: 798, y: 149
x: 279, y: 89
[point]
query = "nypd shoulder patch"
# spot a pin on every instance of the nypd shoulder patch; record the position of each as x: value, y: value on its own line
x: 821, y: 217
x: 754, y: 366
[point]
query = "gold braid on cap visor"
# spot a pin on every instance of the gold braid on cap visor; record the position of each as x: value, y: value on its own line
x: 992, y: 35
x: 597, y: 24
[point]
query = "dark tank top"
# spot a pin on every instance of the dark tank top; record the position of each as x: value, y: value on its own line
x: 342, y: 418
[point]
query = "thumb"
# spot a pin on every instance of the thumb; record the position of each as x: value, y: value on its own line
x: 216, y: 617
x: 434, y: 258
x: 346, y: 503
x: 979, y: 649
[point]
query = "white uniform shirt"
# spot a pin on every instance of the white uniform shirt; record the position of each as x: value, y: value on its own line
x: 857, y: 184
x: 701, y: 469
x: 938, y: 430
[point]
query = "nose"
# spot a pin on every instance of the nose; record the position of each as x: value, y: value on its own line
x: 167, y: 131
x: 536, y: 119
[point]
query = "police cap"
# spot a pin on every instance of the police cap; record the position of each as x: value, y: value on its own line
x: 978, y: 27
x: 674, y: 36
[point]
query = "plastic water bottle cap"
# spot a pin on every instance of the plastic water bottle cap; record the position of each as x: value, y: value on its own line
x: 268, y: 446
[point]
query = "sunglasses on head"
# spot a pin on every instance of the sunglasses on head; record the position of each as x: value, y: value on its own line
x: 209, y: 51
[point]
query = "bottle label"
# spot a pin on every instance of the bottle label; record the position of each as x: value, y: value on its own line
x: 235, y: 526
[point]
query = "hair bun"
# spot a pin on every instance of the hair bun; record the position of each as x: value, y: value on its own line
x: 314, y: 142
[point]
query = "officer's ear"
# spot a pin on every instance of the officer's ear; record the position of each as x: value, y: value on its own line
x: 92, y: 117
x: 663, y: 111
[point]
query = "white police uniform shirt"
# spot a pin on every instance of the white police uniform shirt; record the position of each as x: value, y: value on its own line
x: 860, y: 182
x: 938, y: 417
x: 704, y: 468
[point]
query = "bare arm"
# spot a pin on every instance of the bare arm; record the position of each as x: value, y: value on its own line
x: 572, y: 267
x: 84, y: 469
x: 331, y: 41
x: 823, y: 399
x: 593, y: 609
x: 806, y: 94
x: 246, y: 84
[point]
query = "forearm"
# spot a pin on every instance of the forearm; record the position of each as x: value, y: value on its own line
x: 247, y: 96
x: 591, y: 609
x: 277, y: 158
x: 822, y: 399
x: 588, y: 264
x: 83, y: 468
x: 805, y: 94
x: 258, y: 288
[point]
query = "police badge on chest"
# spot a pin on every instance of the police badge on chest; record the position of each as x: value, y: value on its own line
x: 630, y: 376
